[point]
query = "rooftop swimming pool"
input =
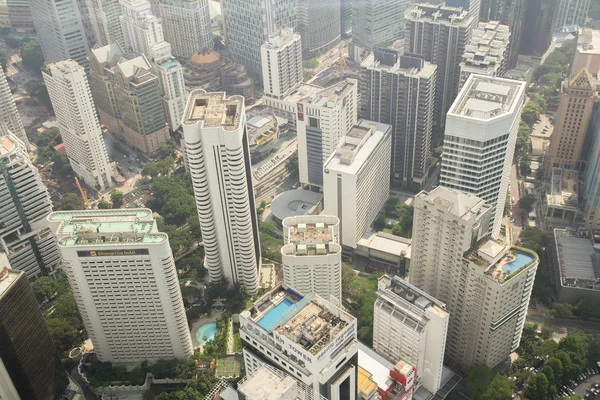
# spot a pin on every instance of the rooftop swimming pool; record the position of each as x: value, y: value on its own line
x: 273, y: 315
x: 521, y: 260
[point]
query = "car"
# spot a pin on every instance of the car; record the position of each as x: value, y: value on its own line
x: 596, y: 386
x: 547, y: 127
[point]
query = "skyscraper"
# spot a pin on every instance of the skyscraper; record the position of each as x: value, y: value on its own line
x: 492, y: 10
x: 400, y: 91
x: 472, y: 6
x: 249, y: 24
x: 104, y: 17
x: 591, y: 194
x: 485, y: 284
x: 376, y: 24
x: 60, y: 29
x: 281, y: 59
x: 571, y: 12
x: 186, y: 26
x: 26, y: 348
x: 19, y: 15
x: 440, y: 34
x: 218, y: 157
x: 514, y: 17
x: 25, y: 237
x: 345, y: 16
x: 10, y: 120
x: 318, y: 24
x: 124, y: 281
x: 78, y: 122
x: 538, y: 25
x: 480, y: 138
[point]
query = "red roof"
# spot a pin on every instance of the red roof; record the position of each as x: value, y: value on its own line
x: 61, y: 149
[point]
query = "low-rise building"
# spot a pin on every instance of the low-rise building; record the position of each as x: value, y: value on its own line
x: 561, y: 207
x: 380, y: 251
x: 587, y: 53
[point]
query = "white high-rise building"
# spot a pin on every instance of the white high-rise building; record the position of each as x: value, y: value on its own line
x: 411, y: 325
x: 77, y: 120
x: 124, y: 281
x: 25, y: 236
x: 480, y: 138
x: 356, y: 179
x: 318, y: 24
x: 311, y: 255
x: 281, y: 59
x: 376, y: 24
x: 141, y: 30
x: 322, y: 118
x: 305, y: 336
x: 218, y: 158
x: 269, y: 383
x: 186, y: 26
x: 104, y: 18
x: 7, y: 389
x: 485, y: 284
x: 60, y: 29
x: 10, y: 120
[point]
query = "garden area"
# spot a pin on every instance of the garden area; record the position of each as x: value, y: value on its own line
x: 397, y: 219
x: 359, y: 293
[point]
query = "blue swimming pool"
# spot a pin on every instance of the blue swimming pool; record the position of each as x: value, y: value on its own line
x: 272, y: 317
x: 207, y: 330
x: 521, y: 259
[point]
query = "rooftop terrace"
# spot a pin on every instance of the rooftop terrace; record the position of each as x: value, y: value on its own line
x: 577, y: 259
x: 268, y: 383
x: 215, y: 109
x: 485, y: 97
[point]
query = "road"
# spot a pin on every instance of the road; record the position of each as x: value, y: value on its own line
x: 558, y: 324
x: 586, y: 384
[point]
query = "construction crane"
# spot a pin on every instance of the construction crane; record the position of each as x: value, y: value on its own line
x: 83, y: 194
x: 342, y: 63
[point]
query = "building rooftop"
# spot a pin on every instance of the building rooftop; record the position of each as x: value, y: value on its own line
x: 409, y: 298
x: 332, y: 93
x: 460, y: 204
x: 564, y: 189
x: 394, y: 62
x: 439, y: 13
x: 268, y: 383
x: 281, y: 38
x: 294, y: 202
x: 577, y: 259
x: 214, y: 109
x: 484, y: 97
x: 487, y: 48
x: 310, y: 235
x: 7, y: 145
x: 588, y: 41
x: 7, y: 276
x: 304, y: 90
x: 386, y: 243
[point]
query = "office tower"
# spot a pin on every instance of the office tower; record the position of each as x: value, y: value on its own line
x: 128, y: 97
x: 124, y: 281
x: 538, y: 25
x: 376, y: 24
x: 26, y: 348
x: 318, y: 25
x: 249, y: 24
x: 218, y: 157
x: 578, y: 94
x: 322, y: 119
x: 411, y: 325
x: 514, y: 17
x: 78, y: 123
x: 587, y: 52
x: 487, y: 52
x: 174, y: 95
x: 492, y: 10
x: 19, y: 15
x: 305, y: 336
x: 591, y: 181
x: 480, y: 138
x: 186, y: 26
x: 571, y: 12
x: 400, y: 91
x: 10, y: 120
x: 269, y: 383
x: 472, y: 6
x: 281, y: 58
x: 104, y: 18
x: 60, y: 29
x: 25, y: 236
x: 345, y: 16
x: 440, y: 34
x: 356, y: 179
x: 312, y: 256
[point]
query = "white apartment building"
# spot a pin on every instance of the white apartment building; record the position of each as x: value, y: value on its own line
x: 77, y: 120
x: 186, y: 26
x: 318, y: 24
x: 411, y: 325
x: 60, y: 29
x: 487, y: 52
x: 356, y: 179
x: 307, y: 337
x: 269, y: 383
x: 104, y: 18
x: 322, y: 119
x: 218, y: 158
x: 10, y: 120
x: 7, y: 389
x: 141, y: 29
x: 281, y: 58
x: 312, y: 257
x: 480, y: 138
x: 123, y: 277
x: 25, y: 236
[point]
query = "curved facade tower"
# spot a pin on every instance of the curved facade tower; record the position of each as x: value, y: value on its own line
x: 216, y: 151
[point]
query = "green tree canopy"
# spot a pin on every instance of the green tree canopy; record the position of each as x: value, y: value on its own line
x: 291, y: 166
x: 538, y: 388
x: 479, y: 379
x: 37, y: 90
x: 531, y: 113
x: 116, y: 197
x: 104, y: 205
x: 70, y: 201
x: 526, y: 203
x: 4, y: 60
x: 498, y: 389
x: 31, y: 54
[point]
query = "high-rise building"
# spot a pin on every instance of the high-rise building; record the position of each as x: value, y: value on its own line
x: 305, y: 336
x: 345, y: 16
x: 472, y: 6
x: 587, y: 52
x: 491, y: 10
x: 318, y: 25
x: 7, y: 389
x: 142, y: 30
x: 487, y: 52
x: 411, y: 325
x: 538, y: 25
x: 124, y: 281
x: 312, y: 256
x: 400, y: 91
x: 322, y: 118
x: 186, y: 26
x: 104, y: 18
x: 281, y: 58
x: 591, y: 181
x: 78, y: 122
x: 571, y: 12
x: 440, y: 34
x: 356, y: 179
x: 19, y: 15
x: 270, y: 383
x: 514, y: 17
x: 60, y: 29
x: 218, y: 157
x: 10, y: 120
x: 485, y: 284
x: 26, y: 348
x: 25, y: 236
x: 578, y: 95
x: 376, y: 24
x: 128, y: 97
x: 249, y: 24
x: 480, y: 139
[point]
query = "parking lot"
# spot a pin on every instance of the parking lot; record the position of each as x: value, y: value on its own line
x: 583, y: 389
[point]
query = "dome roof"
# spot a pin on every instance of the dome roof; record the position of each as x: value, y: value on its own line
x: 205, y: 56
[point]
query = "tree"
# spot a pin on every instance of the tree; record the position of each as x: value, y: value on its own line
x: 557, y: 369
x: 524, y: 166
x: 104, y: 205
x: 173, y: 199
x: 70, y: 201
x: 547, y: 332
x: 13, y: 42
x: 310, y: 64
x: 531, y: 113
x: 479, y: 379
x: 45, y: 288
x: 538, y: 387
x: 31, y: 54
x: 156, y: 168
x: 218, y: 41
x: 379, y: 223
x: 526, y: 203
x: 116, y: 197
x: 4, y: 60
x: 498, y: 389
x: 561, y: 310
x: 291, y: 166
x: 37, y: 90
x: 62, y: 334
